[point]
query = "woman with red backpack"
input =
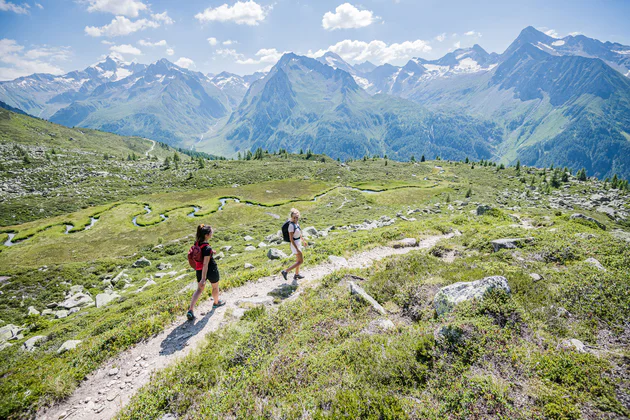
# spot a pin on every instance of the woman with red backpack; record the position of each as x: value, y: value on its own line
x: 200, y: 257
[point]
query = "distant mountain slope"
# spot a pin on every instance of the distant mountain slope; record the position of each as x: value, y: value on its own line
x: 12, y: 109
x: 162, y: 102
x: 303, y: 103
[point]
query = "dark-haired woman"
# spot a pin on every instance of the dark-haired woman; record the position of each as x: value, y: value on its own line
x: 206, y: 270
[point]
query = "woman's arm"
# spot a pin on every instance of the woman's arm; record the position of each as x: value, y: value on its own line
x: 204, y: 271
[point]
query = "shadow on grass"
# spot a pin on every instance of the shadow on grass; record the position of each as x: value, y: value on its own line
x: 178, y: 338
x: 284, y: 291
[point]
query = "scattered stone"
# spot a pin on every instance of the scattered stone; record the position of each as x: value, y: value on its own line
x: 73, y: 310
x: 112, y: 396
x: 51, y: 305
x: 77, y: 288
x: 262, y: 245
x: 226, y: 248
x: 275, y: 254
x: 122, y: 276
x: 8, y: 332
x: 535, y: 277
x: 483, y: 209
x: 355, y: 289
x: 236, y: 313
x: 311, y: 231
x: 573, y: 344
x: 77, y: 300
x: 248, y: 266
x: 219, y: 256
x: 148, y: 284
x: 275, y: 216
x: 621, y: 234
x: 33, y: 311
x: 31, y: 343
x: 384, y: 324
x: 406, y: 243
x: 250, y: 248
x: 589, y: 219
x: 248, y: 238
x: 61, y: 314
x: 338, y: 261
x: 508, y: 243
x: 160, y: 275
x: 448, y: 297
x: 103, y: 299
x: 595, y: 263
x: 113, y: 372
x: 68, y: 345
x: 164, y: 266
x: 142, y: 262
x: 46, y: 312
x: 255, y: 302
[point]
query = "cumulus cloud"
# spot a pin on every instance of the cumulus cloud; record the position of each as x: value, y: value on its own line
x: 146, y: 43
x: 457, y: 45
x: 230, y: 53
x: 548, y: 31
x: 39, y: 6
x: 212, y: 41
x: 170, y: 51
x: 242, y: 13
x: 376, y: 51
x: 263, y: 56
x: 441, y: 37
x: 347, y: 16
x: 131, y: 8
x: 7, y: 6
x: 229, y: 42
x: 473, y: 33
x: 125, y: 49
x: 185, y: 63
x: 575, y: 33
x: 163, y: 17
x: 16, y: 61
x: 120, y: 26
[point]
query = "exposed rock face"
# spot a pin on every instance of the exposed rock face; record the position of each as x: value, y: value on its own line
x: 33, y: 311
x: 141, y: 262
x: 78, y: 300
x: 68, y: 345
x: 589, y: 219
x: 275, y: 254
x: 103, y: 299
x: 31, y: 343
x: 448, y: 297
x: 9, y: 332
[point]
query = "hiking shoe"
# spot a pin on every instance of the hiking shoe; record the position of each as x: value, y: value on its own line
x: 298, y: 277
x: 284, y: 274
x: 219, y: 304
x: 190, y: 315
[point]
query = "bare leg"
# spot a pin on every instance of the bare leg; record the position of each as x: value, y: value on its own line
x: 215, y: 292
x: 200, y: 287
x: 298, y: 262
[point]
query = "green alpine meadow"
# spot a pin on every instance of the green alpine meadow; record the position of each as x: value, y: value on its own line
x: 246, y: 209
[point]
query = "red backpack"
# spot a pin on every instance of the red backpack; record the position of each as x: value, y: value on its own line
x: 195, y: 255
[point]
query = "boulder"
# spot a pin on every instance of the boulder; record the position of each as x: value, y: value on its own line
x: 535, y: 276
x: 248, y: 238
x: 589, y: 219
x: 275, y: 254
x: 311, y: 231
x: 148, y: 284
x: 219, y: 256
x: 141, y: 262
x: 31, y: 343
x: 448, y: 297
x: 483, y: 209
x: 355, y: 289
x: 8, y: 332
x: 573, y: 344
x: 338, y: 261
x: 226, y: 248
x: 47, y: 312
x: 608, y: 211
x: 508, y: 243
x: 405, y: 243
x: 248, y: 266
x: 164, y: 266
x: 77, y: 300
x: 33, y: 311
x: 68, y: 345
x: 255, y: 302
x: 262, y: 245
x: 77, y: 288
x: 103, y: 299
x: 250, y: 248
x: 122, y: 276
x: 595, y: 263
x: 61, y: 314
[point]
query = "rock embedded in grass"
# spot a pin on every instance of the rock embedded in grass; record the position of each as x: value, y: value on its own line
x: 580, y: 216
x: 32, y: 311
x: 31, y: 343
x: 508, y: 243
x: 450, y: 296
x: 141, y: 262
x: 250, y: 248
x: 77, y: 300
x: 595, y: 263
x: 103, y: 299
x: 68, y: 345
x: 275, y: 254
x: 405, y: 243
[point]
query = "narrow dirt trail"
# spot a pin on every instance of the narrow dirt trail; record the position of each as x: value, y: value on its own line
x: 151, y: 149
x: 108, y: 389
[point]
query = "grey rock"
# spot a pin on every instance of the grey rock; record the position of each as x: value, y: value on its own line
x: 255, y: 302
x: 262, y: 245
x: 141, y: 262
x: 122, y: 276
x: 384, y: 324
x: 311, y: 231
x: 33, y: 311
x: 535, y: 277
x: 406, y: 243
x: 76, y: 289
x: 248, y: 238
x: 219, y: 256
x: 8, y: 331
x: 508, y: 243
x: 113, y: 372
x: 68, y: 345
x: 146, y: 285
x: 250, y: 248
x: 46, y: 312
x: 248, y: 266
x: 73, y: 310
x: 448, y: 297
x: 573, y: 344
x: 103, y: 299
x: 61, y: 314
x: 4, y: 345
x: 355, y: 289
x: 483, y: 209
x: 595, y: 263
x: 226, y: 248
x: 164, y: 266
x: 621, y: 234
x: 236, y: 313
x: 275, y: 254
x: 78, y: 300
x: 608, y: 211
x: 338, y: 261
x: 31, y: 343
x: 588, y: 218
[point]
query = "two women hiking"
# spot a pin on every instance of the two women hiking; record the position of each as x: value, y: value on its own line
x: 201, y: 259
x: 292, y: 229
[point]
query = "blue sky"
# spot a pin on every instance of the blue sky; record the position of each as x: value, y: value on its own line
x: 245, y: 36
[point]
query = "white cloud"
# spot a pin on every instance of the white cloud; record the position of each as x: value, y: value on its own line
x: 230, y: 42
x: 145, y: 43
x: 376, y: 51
x: 347, y: 16
x: 457, y: 45
x: 7, y: 6
x: 131, y: 8
x: 263, y: 56
x: 185, y: 63
x: 575, y: 33
x: 441, y: 37
x: 212, y: 41
x: 125, y: 49
x: 170, y: 51
x: 163, y: 17
x: 119, y: 26
x: 552, y: 33
x: 106, y: 42
x: 39, y: 6
x: 242, y: 13
x: 473, y: 33
x: 16, y: 62
x: 230, y: 53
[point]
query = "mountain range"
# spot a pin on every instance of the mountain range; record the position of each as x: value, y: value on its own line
x: 543, y: 101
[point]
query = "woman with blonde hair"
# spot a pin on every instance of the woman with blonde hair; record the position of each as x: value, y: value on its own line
x: 296, y: 239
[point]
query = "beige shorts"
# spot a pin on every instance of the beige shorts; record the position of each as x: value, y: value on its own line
x: 297, y: 248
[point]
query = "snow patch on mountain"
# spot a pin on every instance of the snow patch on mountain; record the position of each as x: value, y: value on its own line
x: 558, y: 43
x: 362, y: 82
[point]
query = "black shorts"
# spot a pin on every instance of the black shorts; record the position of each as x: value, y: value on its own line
x: 213, y: 274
